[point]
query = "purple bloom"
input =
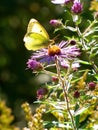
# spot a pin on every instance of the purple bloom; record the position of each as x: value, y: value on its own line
x: 77, y: 7
x: 72, y: 42
x: 55, y: 23
x: 34, y: 65
x: 76, y: 94
x: 61, y: 1
x: 55, y: 79
x: 41, y: 92
x: 62, y: 52
x: 92, y: 85
x: 66, y: 64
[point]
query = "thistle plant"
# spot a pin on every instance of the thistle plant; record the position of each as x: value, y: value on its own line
x: 71, y: 99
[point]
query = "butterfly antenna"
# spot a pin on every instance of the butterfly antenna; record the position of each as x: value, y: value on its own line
x: 55, y: 38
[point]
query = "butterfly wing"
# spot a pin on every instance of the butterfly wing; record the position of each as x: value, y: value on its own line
x: 36, y: 36
x: 35, y: 41
x: 35, y: 27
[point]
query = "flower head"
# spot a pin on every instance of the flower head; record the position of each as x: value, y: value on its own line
x: 55, y: 79
x: 91, y: 85
x: 94, y: 5
x: 72, y: 42
x: 76, y: 94
x: 34, y: 65
x: 55, y: 23
x: 77, y: 7
x: 62, y: 52
x: 41, y: 92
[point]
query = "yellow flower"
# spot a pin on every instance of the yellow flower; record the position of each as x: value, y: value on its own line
x: 94, y: 5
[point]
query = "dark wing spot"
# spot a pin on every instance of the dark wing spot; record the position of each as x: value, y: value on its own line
x: 40, y: 30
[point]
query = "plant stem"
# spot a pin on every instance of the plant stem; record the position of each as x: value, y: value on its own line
x: 84, y: 44
x: 65, y: 94
x: 68, y: 108
x: 89, y: 27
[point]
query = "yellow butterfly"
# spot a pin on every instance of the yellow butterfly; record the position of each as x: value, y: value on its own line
x: 36, y: 36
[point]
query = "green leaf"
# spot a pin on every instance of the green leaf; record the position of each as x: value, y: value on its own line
x: 96, y: 76
x: 95, y: 36
x: 80, y: 111
x: 77, y: 118
x: 53, y: 124
x: 84, y: 62
x: 88, y: 33
x: 76, y: 107
x: 71, y: 28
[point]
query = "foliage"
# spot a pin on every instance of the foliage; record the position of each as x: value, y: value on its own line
x: 71, y: 99
x: 94, y: 5
x: 6, y: 118
x: 18, y: 85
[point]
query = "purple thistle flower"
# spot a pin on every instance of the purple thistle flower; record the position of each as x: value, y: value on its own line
x: 92, y: 85
x: 41, y: 92
x: 77, y: 94
x: 55, y: 79
x: 73, y: 42
x: 77, y: 7
x: 62, y: 52
x: 55, y: 23
x: 34, y: 65
x: 66, y: 64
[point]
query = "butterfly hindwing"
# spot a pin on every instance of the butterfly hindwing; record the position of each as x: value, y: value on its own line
x: 34, y: 41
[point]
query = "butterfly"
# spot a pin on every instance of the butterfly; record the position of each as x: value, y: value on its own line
x: 36, y: 36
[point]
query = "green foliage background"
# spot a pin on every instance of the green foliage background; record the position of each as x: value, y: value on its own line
x: 16, y: 83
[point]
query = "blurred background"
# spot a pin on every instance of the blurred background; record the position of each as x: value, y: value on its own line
x: 17, y: 84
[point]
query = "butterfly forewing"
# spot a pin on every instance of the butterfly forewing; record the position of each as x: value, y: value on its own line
x: 35, y: 27
x: 36, y: 36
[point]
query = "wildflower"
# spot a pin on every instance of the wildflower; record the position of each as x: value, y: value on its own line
x: 55, y: 23
x: 66, y: 64
x: 61, y: 52
x: 61, y: 1
x: 94, y: 5
x: 34, y: 65
x: 75, y: 65
x: 76, y: 94
x: 55, y: 79
x: 72, y: 42
x: 91, y: 85
x: 41, y: 92
x: 77, y: 7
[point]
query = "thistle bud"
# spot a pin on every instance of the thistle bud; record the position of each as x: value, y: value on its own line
x: 55, y: 23
x: 77, y: 7
x: 34, y: 65
x: 41, y: 92
x: 76, y: 94
x: 91, y: 85
x: 55, y: 79
x: 72, y: 42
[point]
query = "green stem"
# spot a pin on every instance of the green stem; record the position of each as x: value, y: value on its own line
x: 89, y: 27
x: 65, y: 94
x: 84, y: 44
